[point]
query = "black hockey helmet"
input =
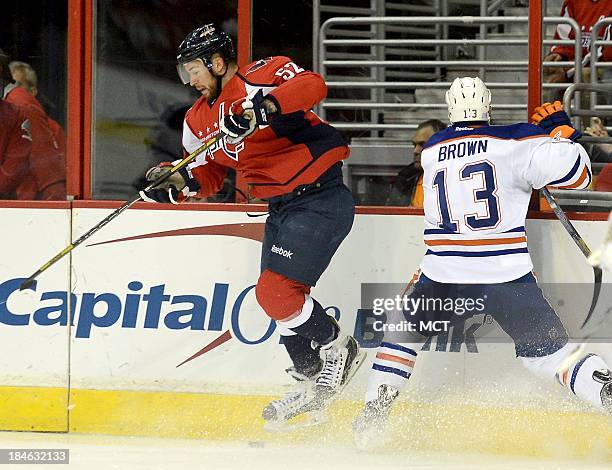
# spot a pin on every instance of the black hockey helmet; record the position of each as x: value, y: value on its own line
x: 202, y: 43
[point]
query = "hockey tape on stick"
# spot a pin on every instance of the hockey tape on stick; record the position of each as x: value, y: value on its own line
x: 586, y: 251
x: 184, y: 162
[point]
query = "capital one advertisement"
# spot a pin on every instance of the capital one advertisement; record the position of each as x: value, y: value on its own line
x: 165, y: 300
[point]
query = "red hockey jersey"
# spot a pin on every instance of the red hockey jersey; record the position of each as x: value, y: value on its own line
x: 295, y: 149
x: 586, y: 13
x: 15, y: 147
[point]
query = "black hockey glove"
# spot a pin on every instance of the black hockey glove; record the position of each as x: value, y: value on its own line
x: 260, y: 108
x: 238, y: 126
x: 555, y: 121
x: 245, y: 116
x: 178, y: 187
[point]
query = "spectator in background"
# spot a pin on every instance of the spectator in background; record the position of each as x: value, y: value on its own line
x: 47, y: 178
x: 25, y: 77
x: 408, y: 185
x: 603, y: 182
x: 15, y: 140
x: 586, y: 13
x: 599, y: 153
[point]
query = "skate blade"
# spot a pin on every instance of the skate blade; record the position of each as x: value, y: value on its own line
x: 302, y: 421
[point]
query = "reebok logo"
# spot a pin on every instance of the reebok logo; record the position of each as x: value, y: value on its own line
x: 280, y: 251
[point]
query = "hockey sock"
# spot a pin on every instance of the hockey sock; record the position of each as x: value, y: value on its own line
x: 578, y: 377
x: 581, y: 381
x: 392, y: 365
x: 306, y: 360
x: 312, y: 322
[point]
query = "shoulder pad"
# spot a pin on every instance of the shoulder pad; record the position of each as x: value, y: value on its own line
x: 263, y: 67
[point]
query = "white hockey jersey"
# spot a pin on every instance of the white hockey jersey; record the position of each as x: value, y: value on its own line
x: 477, y: 185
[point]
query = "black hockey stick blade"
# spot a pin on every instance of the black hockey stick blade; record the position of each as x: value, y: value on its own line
x: 184, y: 162
x: 598, y: 273
x: 584, y: 248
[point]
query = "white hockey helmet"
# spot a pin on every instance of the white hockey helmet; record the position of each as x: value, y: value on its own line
x: 468, y: 99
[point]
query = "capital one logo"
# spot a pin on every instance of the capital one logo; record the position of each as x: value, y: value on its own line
x: 152, y: 308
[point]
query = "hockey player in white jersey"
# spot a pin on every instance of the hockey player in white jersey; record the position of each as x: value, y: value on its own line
x: 477, y: 185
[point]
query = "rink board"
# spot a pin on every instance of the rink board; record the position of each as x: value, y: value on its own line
x: 156, y: 287
x: 35, y: 359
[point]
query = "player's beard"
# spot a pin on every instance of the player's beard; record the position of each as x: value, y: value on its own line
x: 209, y: 91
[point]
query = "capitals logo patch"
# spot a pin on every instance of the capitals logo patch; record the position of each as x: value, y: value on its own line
x: 257, y: 65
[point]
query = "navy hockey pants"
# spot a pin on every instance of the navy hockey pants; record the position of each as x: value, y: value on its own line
x: 518, y: 306
x: 305, y: 228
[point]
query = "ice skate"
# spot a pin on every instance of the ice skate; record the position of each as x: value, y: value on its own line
x: 605, y: 376
x: 341, y: 360
x: 369, y: 428
x: 279, y: 413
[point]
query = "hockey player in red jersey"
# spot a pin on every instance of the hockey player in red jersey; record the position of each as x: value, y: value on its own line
x: 586, y: 13
x: 291, y: 159
x: 15, y: 140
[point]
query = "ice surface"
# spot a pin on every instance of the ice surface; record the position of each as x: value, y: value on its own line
x: 118, y: 453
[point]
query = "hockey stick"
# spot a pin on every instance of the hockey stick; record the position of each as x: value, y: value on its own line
x: 586, y: 251
x: 185, y: 161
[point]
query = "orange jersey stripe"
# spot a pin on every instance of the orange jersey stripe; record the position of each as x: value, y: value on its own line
x: 389, y: 357
x: 412, y: 281
x: 564, y: 377
x: 580, y: 180
x: 490, y: 241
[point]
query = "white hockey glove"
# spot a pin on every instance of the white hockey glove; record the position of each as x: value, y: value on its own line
x: 178, y: 187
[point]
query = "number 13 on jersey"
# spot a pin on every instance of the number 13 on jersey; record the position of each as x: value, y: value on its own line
x: 484, y: 217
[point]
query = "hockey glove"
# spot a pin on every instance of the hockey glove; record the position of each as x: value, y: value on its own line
x: 263, y: 108
x: 238, y: 126
x: 245, y: 116
x: 178, y: 187
x: 555, y: 121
